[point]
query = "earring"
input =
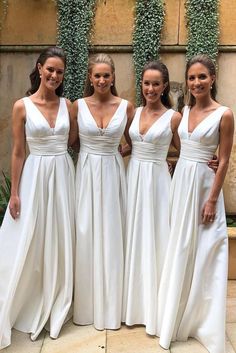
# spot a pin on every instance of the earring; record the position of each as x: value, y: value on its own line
x: 211, y: 87
x: 162, y: 94
x: 112, y: 84
x: 91, y: 84
x: 40, y: 76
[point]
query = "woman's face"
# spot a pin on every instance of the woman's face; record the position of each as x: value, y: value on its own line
x: 199, y: 80
x: 152, y: 85
x: 101, y: 78
x: 52, y: 72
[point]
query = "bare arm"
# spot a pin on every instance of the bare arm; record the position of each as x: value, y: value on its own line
x: 73, y: 135
x: 175, y: 142
x: 18, y: 155
x: 225, y: 146
x: 175, y: 121
x: 125, y: 150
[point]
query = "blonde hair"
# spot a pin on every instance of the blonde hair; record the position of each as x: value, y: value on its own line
x: 100, y: 58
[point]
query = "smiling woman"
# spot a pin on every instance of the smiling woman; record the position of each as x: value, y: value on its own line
x: 148, y: 179
x: 102, y: 118
x: 201, y: 79
x: 52, y: 72
x: 51, y: 75
x: 192, y: 294
x: 105, y: 62
x: 37, y: 233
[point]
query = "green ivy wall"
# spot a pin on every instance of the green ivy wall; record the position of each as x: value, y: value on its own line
x: 31, y: 24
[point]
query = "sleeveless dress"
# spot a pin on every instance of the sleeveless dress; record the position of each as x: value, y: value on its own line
x: 147, y: 228
x: 36, y: 277
x: 100, y: 215
x: 193, y: 286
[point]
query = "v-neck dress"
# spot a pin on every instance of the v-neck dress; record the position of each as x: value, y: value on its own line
x: 147, y: 228
x: 36, y: 270
x: 100, y: 217
x: 193, y: 285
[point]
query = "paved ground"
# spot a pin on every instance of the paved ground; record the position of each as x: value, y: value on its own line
x: 85, y: 339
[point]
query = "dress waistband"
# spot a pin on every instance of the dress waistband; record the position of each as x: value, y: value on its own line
x: 100, y: 145
x: 146, y: 151
x: 196, y: 151
x: 48, y: 146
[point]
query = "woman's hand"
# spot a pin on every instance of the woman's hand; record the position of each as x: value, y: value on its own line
x: 213, y: 163
x: 125, y: 150
x: 14, y: 206
x: 209, y: 212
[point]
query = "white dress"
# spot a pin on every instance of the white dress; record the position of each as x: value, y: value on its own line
x: 193, y: 285
x: 147, y: 228
x: 36, y: 277
x: 100, y: 215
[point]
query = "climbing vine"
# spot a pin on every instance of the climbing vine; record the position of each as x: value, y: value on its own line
x: 148, y: 24
x: 203, y: 27
x: 75, y: 18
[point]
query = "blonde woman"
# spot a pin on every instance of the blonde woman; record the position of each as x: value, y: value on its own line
x: 102, y: 119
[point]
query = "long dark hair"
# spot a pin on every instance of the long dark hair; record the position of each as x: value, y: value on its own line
x: 49, y: 52
x: 159, y: 66
x: 208, y: 63
x: 99, y: 59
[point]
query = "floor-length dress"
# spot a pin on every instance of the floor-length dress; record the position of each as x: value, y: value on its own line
x: 36, y: 269
x: 193, y: 285
x: 100, y: 216
x: 147, y: 227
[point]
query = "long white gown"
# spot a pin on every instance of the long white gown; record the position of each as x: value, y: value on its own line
x: 100, y: 215
x: 147, y: 228
x: 193, y: 286
x: 36, y: 265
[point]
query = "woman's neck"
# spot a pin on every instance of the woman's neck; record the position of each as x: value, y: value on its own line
x: 152, y: 107
x: 102, y: 98
x: 204, y: 103
x: 45, y: 95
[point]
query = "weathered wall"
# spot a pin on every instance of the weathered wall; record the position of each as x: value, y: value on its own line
x: 33, y: 23
x: 29, y: 22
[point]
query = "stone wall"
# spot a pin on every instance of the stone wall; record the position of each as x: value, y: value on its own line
x: 31, y: 24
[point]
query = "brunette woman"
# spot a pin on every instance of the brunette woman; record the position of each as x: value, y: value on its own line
x: 147, y: 226
x: 36, y: 237
x: 192, y: 292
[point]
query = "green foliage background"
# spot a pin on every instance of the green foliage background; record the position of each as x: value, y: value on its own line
x: 75, y: 18
x: 202, y: 20
x: 149, y: 20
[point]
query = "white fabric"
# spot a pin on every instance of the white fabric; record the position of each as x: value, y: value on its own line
x: 147, y: 227
x: 193, y: 285
x: 147, y: 151
x: 101, y: 145
x: 100, y: 214
x: 36, y: 271
x: 48, y: 146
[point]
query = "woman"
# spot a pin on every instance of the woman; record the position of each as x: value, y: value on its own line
x: 36, y: 237
x: 193, y: 285
x: 153, y: 128
x: 102, y: 118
